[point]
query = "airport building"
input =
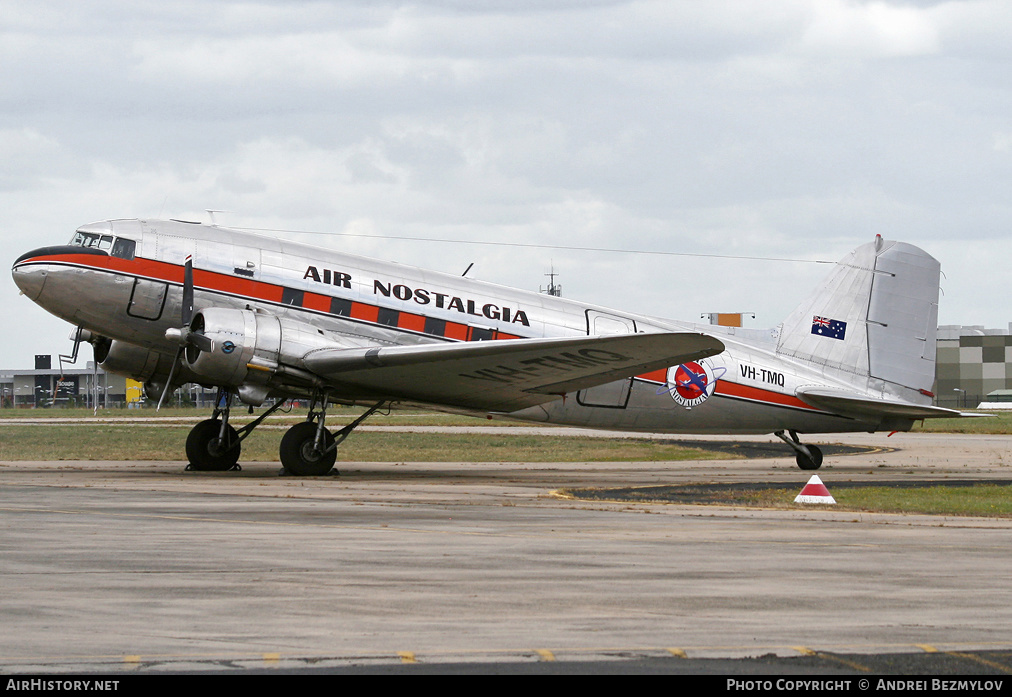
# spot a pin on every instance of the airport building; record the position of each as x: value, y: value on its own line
x: 74, y: 386
x: 973, y: 365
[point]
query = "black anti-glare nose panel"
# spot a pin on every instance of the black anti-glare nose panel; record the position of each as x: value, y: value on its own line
x: 60, y: 250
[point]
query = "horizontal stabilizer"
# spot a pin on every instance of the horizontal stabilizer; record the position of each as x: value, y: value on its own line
x: 501, y: 375
x: 862, y: 407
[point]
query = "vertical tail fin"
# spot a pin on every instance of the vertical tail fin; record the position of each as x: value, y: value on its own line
x: 874, y: 319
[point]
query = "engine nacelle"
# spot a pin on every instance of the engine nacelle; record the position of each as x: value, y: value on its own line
x: 245, y: 338
x: 139, y: 363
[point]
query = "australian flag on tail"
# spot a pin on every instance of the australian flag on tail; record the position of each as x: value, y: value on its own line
x: 833, y: 328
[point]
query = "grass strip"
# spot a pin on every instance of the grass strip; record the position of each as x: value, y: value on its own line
x: 992, y: 423
x: 987, y: 500
x: 28, y: 442
x: 335, y: 416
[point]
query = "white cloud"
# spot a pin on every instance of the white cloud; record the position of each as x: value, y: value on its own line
x: 311, y: 59
x: 1003, y: 142
x: 850, y: 28
x: 24, y: 154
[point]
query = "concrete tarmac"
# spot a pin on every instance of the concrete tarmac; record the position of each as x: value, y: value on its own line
x: 140, y: 566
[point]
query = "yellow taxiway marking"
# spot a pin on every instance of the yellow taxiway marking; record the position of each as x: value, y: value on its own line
x: 407, y: 656
x: 544, y: 654
x: 982, y: 661
x: 805, y: 651
x: 844, y: 661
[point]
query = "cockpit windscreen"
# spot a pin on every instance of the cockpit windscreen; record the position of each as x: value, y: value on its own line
x: 117, y: 246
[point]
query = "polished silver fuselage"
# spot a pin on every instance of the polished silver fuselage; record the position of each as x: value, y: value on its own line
x: 362, y: 302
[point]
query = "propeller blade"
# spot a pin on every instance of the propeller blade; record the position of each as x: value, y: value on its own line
x: 168, y: 383
x: 200, y: 341
x: 183, y: 335
x: 188, y: 291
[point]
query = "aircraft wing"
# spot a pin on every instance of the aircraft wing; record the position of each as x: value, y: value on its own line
x: 502, y: 375
x: 860, y: 406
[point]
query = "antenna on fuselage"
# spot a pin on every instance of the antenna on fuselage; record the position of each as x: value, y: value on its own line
x: 211, y: 212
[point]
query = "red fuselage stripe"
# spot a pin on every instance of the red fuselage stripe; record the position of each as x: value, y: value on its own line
x: 726, y: 388
x: 756, y: 394
x: 259, y: 290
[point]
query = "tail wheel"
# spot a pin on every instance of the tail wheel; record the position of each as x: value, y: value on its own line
x: 300, y: 455
x: 207, y: 452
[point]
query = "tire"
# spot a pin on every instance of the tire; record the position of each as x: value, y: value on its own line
x: 299, y: 455
x: 206, y: 453
x: 810, y: 463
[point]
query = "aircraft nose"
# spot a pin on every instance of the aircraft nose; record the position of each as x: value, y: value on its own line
x: 30, y: 279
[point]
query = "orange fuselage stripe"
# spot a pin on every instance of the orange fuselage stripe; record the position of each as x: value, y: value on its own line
x: 726, y: 388
x: 249, y: 288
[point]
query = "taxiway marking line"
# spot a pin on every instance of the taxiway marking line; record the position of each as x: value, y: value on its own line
x: 843, y: 661
x: 982, y: 661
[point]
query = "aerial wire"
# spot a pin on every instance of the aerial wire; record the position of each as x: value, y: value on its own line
x: 570, y: 248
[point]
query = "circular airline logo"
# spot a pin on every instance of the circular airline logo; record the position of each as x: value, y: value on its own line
x: 228, y: 347
x: 691, y: 384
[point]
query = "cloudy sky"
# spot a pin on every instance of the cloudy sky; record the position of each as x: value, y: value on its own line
x: 791, y: 129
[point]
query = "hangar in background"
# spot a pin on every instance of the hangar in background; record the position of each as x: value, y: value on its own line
x: 76, y: 386
x: 46, y: 386
x: 971, y: 362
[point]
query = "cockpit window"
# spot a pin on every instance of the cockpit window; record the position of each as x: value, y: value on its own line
x: 118, y: 247
x: 123, y: 248
x: 91, y: 240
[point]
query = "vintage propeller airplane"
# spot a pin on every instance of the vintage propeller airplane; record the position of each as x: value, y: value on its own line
x: 172, y: 302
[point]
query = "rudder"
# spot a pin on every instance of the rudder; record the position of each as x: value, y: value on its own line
x: 874, y: 318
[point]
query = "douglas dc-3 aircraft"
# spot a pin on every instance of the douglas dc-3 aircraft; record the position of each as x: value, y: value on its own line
x: 172, y: 302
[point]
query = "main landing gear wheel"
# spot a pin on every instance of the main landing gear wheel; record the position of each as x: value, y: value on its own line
x: 812, y: 461
x: 207, y: 452
x: 300, y: 455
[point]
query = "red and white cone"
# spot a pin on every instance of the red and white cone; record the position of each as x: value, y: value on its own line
x: 814, y: 492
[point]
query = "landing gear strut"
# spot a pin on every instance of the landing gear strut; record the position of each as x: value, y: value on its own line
x: 214, y: 445
x: 809, y: 457
x: 308, y: 449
